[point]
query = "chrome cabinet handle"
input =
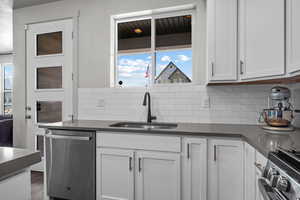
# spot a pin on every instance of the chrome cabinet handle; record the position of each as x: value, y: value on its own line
x: 241, y: 67
x: 130, y: 163
x: 140, y: 167
x: 215, y: 153
x: 188, y: 150
x: 212, y: 69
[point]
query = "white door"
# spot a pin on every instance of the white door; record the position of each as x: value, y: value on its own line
x: 222, y: 40
x: 225, y: 166
x: 262, y: 38
x: 194, y: 165
x: 49, y: 78
x: 158, y: 176
x: 293, y: 36
x: 115, y: 174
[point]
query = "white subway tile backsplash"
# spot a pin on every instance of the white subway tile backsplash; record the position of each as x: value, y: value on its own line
x: 228, y: 104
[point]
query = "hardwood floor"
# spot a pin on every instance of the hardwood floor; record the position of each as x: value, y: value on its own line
x: 37, y: 185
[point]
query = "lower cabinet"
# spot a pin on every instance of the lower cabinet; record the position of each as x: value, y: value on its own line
x: 254, y: 162
x: 158, y: 176
x: 194, y: 169
x: 16, y: 187
x: 172, y: 168
x: 124, y: 174
x: 115, y: 174
x: 225, y: 170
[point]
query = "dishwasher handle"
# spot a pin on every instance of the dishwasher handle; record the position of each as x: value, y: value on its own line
x: 66, y: 137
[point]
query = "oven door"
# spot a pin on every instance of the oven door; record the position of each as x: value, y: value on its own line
x: 267, y: 192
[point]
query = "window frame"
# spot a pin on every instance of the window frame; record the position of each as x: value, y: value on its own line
x: 189, y: 9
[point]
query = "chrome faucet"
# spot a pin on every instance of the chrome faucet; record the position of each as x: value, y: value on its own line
x: 147, y: 99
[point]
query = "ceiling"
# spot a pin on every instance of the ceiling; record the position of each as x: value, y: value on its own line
x: 26, y: 3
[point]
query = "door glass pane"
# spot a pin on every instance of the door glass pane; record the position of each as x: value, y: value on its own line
x: 8, y: 98
x: 8, y: 77
x: 7, y: 110
x: 49, y: 111
x: 49, y: 43
x: 40, y: 144
x: 49, y: 77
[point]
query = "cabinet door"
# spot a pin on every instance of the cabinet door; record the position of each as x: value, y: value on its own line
x: 157, y: 176
x: 225, y: 170
x: 293, y: 36
x: 115, y: 174
x: 194, y: 174
x: 250, y: 172
x: 262, y: 38
x: 222, y: 40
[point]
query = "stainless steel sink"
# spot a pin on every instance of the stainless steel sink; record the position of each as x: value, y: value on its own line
x: 142, y: 125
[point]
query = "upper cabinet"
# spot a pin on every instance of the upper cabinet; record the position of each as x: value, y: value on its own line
x: 293, y: 36
x: 222, y: 40
x: 267, y: 45
x: 262, y: 38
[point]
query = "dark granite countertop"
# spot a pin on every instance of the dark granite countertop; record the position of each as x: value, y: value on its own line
x: 13, y: 160
x: 252, y: 134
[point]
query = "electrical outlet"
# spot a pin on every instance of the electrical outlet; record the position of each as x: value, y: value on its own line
x: 100, y: 103
x: 206, y: 102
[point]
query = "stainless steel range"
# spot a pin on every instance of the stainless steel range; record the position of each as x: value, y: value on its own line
x: 281, y: 176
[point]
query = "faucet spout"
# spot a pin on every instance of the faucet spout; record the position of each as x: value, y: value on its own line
x: 147, y: 99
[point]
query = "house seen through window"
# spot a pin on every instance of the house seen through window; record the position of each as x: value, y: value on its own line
x: 157, y: 50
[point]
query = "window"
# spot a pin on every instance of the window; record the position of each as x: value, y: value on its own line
x: 7, y: 77
x: 155, y: 49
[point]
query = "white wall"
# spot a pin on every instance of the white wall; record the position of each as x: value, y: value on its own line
x: 94, y: 42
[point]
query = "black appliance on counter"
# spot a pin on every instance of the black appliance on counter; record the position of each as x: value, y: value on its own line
x: 281, y: 176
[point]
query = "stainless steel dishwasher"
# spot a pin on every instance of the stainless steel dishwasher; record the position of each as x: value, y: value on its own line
x: 71, y: 165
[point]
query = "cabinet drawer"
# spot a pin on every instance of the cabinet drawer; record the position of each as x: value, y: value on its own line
x: 139, y: 141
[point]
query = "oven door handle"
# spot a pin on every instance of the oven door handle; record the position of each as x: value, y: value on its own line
x: 265, y: 191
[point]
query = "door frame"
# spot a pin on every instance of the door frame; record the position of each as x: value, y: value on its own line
x: 74, y: 68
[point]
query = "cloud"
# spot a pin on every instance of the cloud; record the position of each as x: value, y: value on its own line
x: 166, y: 59
x: 162, y: 66
x: 183, y: 58
x: 133, y: 68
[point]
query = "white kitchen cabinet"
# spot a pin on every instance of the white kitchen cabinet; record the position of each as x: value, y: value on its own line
x: 138, y: 166
x: 293, y: 36
x: 222, y: 40
x: 250, y: 172
x: 262, y: 38
x: 225, y: 170
x: 115, y: 174
x: 260, y: 162
x: 16, y: 187
x: 158, y: 176
x: 254, y: 162
x: 194, y: 169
